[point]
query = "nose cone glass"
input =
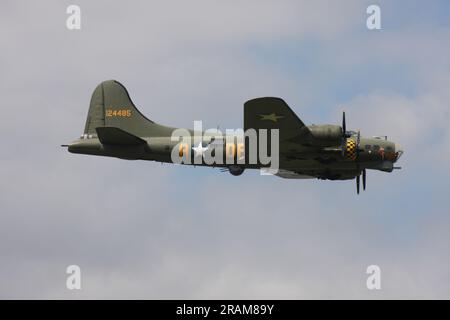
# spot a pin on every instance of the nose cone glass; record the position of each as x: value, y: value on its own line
x: 398, y: 150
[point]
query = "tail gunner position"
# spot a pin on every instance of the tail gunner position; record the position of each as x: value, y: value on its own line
x: 116, y: 128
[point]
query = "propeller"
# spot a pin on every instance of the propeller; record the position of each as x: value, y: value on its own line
x: 346, y: 135
x: 364, y: 179
x: 357, y: 184
x: 358, y: 139
x: 344, y: 127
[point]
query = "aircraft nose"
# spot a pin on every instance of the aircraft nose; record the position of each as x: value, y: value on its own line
x: 398, y: 150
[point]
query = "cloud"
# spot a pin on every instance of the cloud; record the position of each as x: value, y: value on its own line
x: 146, y: 230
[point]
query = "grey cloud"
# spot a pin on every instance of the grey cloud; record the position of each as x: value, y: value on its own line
x: 145, y: 230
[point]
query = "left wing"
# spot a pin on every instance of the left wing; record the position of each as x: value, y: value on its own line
x: 273, y: 113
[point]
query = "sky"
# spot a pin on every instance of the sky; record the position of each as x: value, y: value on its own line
x: 142, y: 230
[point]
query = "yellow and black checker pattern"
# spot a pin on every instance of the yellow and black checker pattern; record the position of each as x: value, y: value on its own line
x: 350, y: 149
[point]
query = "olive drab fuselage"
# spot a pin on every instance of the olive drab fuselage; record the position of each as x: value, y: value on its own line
x: 116, y: 128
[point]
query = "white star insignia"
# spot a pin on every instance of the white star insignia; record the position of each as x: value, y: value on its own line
x: 199, y: 150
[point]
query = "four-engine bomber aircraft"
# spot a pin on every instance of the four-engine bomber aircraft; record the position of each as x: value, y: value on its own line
x: 116, y: 128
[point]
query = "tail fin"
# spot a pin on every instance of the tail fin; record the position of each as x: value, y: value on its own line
x: 111, y: 106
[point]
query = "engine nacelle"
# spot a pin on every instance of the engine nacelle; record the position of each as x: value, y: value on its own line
x: 325, y: 135
x: 236, y: 170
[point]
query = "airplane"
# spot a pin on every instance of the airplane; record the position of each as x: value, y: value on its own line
x: 116, y: 128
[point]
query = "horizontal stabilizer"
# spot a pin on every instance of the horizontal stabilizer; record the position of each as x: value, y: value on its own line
x: 116, y: 136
